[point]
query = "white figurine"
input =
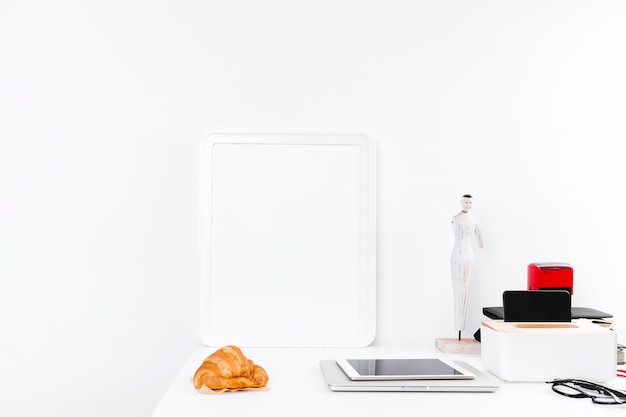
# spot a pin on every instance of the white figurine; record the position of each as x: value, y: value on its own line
x: 465, y: 229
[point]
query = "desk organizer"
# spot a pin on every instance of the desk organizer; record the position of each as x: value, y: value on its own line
x: 520, y: 351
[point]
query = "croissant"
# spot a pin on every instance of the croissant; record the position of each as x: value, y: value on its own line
x: 228, y: 368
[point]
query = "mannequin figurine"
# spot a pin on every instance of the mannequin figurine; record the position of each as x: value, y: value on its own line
x: 465, y: 230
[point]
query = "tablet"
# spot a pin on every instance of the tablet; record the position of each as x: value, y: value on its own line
x: 336, y: 380
x: 394, y: 369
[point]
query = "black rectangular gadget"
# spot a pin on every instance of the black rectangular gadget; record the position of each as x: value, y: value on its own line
x: 536, y: 306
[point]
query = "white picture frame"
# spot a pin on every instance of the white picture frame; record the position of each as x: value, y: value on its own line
x: 288, y: 241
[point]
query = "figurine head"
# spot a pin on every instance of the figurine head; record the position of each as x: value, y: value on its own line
x: 466, y: 203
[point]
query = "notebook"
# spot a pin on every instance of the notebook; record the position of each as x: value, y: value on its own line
x: 337, y: 380
x: 577, y: 313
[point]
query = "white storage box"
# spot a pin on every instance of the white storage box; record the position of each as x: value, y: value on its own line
x: 516, y: 351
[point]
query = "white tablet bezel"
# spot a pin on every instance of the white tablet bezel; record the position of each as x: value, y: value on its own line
x: 354, y: 375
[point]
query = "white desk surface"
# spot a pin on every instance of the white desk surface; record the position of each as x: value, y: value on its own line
x: 298, y: 389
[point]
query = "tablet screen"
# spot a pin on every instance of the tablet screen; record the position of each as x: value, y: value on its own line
x: 368, y: 369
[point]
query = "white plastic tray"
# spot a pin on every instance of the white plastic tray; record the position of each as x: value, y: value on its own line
x: 288, y: 240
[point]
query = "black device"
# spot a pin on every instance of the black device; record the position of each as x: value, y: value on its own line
x: 536, y: 306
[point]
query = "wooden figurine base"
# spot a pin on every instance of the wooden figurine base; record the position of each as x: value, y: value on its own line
x: 452, y: 345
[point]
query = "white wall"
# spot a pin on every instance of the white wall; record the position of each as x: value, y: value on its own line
x: 103, y: 104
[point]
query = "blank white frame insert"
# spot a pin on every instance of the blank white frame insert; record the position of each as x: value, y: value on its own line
x: 288, y: 240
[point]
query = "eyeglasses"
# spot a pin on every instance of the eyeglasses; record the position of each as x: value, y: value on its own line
x: 578, y: 388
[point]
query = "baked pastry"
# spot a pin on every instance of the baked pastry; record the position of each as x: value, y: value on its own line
x: 228, y: 368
